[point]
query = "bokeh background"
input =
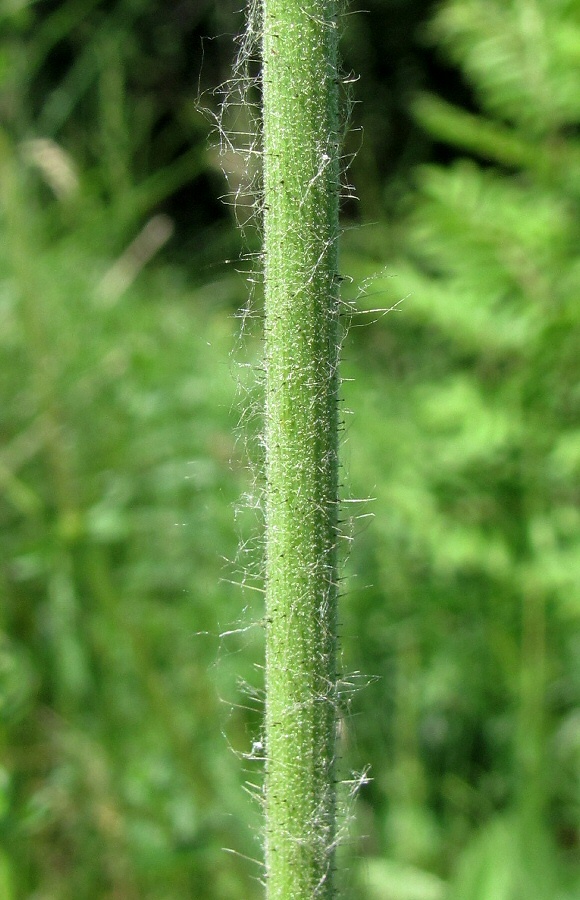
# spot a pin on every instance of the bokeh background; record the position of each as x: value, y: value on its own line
x: 130, y: 652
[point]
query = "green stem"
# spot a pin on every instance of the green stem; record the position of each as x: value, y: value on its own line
x: 301, y: 186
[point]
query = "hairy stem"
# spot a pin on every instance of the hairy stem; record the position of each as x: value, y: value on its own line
x: 301, y: 184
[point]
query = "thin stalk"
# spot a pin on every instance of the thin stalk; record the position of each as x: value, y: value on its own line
x: 301, y: 185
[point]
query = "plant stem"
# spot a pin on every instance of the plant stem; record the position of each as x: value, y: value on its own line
x: 301, y: 186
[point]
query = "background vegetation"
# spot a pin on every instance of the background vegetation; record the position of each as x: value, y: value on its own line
x: 130, y: 655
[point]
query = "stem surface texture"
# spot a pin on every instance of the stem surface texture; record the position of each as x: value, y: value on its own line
x: 301, y: 189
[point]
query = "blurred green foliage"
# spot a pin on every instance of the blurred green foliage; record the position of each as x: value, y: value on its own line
x: 130, y: 719
x: 471, y: 438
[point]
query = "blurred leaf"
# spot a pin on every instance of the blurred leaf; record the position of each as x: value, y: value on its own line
x: 383, y: 879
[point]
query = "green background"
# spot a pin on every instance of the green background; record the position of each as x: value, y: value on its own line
x: 130, y: 513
